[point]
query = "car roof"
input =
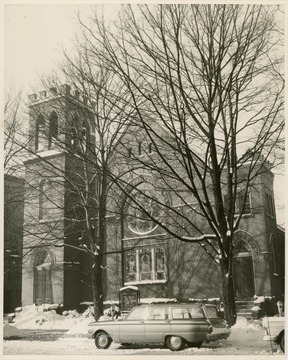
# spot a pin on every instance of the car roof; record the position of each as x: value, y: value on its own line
x: 171, y: 304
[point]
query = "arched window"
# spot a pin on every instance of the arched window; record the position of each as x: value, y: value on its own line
x: 275, y: 254
x: 145, y: 264
x: 74, y: 137
x: 160, y: 263
x: 139, y: 148
x: 41, y: 199
x: 243, y: 270
x: 39, y: 133
x: 84, y: 137
x: 46, y: 199
x: 53, y: 128
x: 242, y: 248
x: 131, y: 267
x: 42, y: 278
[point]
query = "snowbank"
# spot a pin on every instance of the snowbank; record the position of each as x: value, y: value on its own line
x: 81, y: 327
x: 39, y: 317
x: 245, y: 331
x: 243, y: 323
x: 10, y: 330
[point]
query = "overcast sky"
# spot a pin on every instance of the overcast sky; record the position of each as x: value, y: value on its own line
x: 33, y: 38
x: 32, y: 42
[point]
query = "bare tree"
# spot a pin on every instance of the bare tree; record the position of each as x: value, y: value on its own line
x: 87, y: 132
x: 109, y: 100
x: 206, y: 83
x: 13, y: 131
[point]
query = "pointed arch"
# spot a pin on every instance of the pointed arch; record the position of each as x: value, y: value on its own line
x: 43, y: 264
x: 245, y: 252
x: 40, y: 133
x: 241, y: 236
x: 53, y: 128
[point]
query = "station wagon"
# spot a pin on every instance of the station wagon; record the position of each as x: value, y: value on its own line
x: 173, y: 325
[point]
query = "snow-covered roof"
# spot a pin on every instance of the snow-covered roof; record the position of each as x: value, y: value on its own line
x: 129, y: 287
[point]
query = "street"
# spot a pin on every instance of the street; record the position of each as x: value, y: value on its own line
x: 57, y: 344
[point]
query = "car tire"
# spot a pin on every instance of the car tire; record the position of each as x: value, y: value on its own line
x: 282, y: 342
x: 175, y: 343
x: 195, y: 344
x: 102, y: 340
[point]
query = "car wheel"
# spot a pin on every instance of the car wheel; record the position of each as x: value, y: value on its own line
x: 282, y: 342
x: 196, y: 344
x: 175, y: 343
x: 102, y: 340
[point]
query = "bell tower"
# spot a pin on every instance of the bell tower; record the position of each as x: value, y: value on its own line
x: 61, y: 137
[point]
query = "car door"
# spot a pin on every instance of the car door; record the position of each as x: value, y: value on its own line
x: 189, y: 322
x: 157, y: 324
x: 220, y: 326
x: 132, y: 327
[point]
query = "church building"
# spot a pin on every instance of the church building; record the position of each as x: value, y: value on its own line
x: 139, y: 252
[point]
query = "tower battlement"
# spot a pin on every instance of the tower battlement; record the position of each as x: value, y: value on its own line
x: 64, y: 90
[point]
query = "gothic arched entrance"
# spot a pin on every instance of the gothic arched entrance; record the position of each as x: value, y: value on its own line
x: 42, y: 278
x: 243, y: 270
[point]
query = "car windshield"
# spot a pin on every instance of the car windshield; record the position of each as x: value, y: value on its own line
x: 138, y: 313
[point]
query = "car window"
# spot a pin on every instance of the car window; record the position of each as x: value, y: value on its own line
x: 196, y: 312
x: 157, y: 313
x: 193, y: 312
x: 138, y: 313
x: 211, y: 312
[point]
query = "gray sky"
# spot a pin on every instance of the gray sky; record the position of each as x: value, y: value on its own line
x: 33, y: 35
x: 32, y: 40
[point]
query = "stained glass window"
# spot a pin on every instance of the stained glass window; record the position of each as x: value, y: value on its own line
x: 145, y: 264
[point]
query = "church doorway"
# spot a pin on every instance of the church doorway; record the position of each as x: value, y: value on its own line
x: 243, y: 271
x: 42, y: 278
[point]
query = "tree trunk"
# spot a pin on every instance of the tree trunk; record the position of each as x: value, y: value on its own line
x: 97, y: 273
x: 228, y: 292
x: 97, y: 288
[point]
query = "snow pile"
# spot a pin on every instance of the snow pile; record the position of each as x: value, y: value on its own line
x: 88, y: 312
x: 9, y: 331
x: 39, y: 317
x: 243, y: 323
x: 260, y: 299
x: 81, y: 327
x: 71, y: 314
x: 245, y: 331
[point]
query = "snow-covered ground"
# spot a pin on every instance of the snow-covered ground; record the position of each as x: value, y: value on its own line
x: 245, y: 338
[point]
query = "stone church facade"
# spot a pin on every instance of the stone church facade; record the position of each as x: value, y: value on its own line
x: 139, y: 253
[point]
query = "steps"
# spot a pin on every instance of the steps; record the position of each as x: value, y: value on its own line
x: 244, y: 308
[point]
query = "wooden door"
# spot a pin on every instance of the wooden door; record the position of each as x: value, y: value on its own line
x: 243, y: 273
